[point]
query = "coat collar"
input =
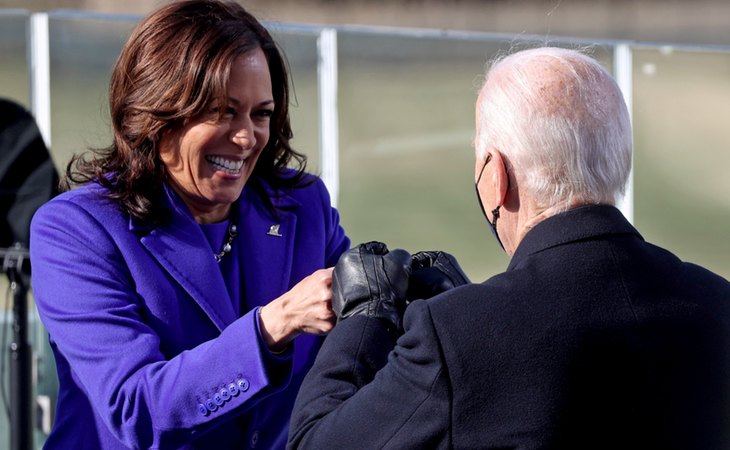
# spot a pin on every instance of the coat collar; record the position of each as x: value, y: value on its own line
x: 181, y: 248
x: 585, y: 222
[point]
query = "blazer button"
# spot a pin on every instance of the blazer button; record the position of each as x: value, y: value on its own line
x: 210, y: 404
x: 233, y: 389
x: 243, y: 384
x: 218, y: 399
x: 202, y: 409
x: 225, y: 395
x: 254, y: 439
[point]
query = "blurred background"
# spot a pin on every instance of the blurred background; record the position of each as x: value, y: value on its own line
x: 407, y: 76
x: 686, y: 21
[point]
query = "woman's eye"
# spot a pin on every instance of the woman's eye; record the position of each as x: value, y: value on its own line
x: 265, y: 113
x: 226, y: 112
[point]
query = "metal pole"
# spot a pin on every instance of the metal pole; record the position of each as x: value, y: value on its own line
x: 21, y: 431
x: 328, y: 116
x: 623, y: 71
x: 40, y: 74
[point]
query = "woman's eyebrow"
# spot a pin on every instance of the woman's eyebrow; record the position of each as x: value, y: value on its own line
x: 237, y: 103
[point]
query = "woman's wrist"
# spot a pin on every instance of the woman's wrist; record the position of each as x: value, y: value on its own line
x: 275, y: 328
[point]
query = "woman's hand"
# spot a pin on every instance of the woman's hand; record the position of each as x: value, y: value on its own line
x: 306, y: 308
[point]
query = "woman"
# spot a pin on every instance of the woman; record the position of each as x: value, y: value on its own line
x: 182, y: 284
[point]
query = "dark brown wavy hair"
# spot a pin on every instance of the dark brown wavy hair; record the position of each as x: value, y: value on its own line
x: 174, y: 66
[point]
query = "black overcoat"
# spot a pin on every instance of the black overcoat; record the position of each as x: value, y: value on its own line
x: 592, y: 339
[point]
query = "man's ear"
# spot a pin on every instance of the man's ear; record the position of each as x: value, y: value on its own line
x: 496, y: 172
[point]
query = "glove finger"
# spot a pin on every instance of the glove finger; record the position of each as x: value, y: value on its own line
x: 450, y: 267
x: 397, y: 269
x: 374, y: 247
x: 354, y: 278
x: 348, y: 281
x: 427, y: 282
x: 422, y: 259
x: 369, y: 254
x: 367, y: 268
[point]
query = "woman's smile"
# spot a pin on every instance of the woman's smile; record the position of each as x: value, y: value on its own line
x: 229, y: 166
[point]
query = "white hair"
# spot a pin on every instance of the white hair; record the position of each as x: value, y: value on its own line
x: 561, y: 122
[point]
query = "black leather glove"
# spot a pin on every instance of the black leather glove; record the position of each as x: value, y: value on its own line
x: 372, y: 281
x: 434, y: 272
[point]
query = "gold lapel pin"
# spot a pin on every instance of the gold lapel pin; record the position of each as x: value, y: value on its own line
x: 274, y: 230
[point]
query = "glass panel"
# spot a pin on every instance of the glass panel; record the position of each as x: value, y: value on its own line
x: 300, y: 51
x: 83, y: 53
x: 14, y: 68
x: 681, y: 109
x: 407, y: 163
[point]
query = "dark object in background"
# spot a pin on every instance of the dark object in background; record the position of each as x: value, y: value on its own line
x: 28, y: 177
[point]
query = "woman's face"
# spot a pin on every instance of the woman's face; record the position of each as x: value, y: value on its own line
x: 209, y: 159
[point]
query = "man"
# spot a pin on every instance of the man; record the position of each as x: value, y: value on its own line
x: 592, y: 338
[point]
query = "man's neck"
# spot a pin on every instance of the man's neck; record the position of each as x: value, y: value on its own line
x: 529, y: 215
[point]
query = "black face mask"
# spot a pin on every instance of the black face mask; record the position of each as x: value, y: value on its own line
x: 495, y: 211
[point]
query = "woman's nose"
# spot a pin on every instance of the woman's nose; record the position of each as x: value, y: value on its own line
x: 242, y: 135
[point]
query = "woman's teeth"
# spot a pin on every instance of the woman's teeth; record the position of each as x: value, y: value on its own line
x: 227, y: 165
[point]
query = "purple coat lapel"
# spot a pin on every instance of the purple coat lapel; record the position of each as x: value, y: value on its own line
x: 182, y: 250
x: 267, y: 245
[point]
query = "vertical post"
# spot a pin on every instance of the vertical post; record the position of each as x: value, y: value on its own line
x: 328, y: 115
x: 21, y: 416
x: 623, y: 71
x: 39, y: 60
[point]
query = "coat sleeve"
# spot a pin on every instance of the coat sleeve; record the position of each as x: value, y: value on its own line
x: 112, y: 347
x: 360, y: 394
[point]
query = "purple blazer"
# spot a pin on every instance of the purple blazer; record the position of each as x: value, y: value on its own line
x: 149, y: 349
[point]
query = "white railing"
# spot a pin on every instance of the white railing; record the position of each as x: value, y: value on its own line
x: 327, y: 74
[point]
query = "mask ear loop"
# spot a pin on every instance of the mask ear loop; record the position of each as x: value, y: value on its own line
x: 495, y: 211
x: 495, y: 216
x: 489, y: 158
